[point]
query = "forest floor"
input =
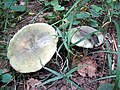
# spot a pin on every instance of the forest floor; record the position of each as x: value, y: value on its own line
x: 96, y: 59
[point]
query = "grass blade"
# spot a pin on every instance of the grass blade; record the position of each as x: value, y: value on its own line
x: 73, y: 83
x: 64, y: 40
x: 111, y: 52
x: 118, y: 59
x: 73, y: 70
x: 87, y: 36
x: 52, y: 71
x: 51, y: 80
x: 109, y: 58
x: 102, y: 78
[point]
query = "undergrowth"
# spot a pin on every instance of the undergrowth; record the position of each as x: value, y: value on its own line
x: 98, y: 15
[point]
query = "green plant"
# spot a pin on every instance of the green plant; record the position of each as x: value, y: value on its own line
x: 54, y: 3
x: 64, y: 74
x: 8, y: 13
x: 96, y: 12
x: 9, y: 7
x: 80, y: 13
x: 5, y: 78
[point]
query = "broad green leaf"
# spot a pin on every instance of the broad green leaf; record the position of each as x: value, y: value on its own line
x: 106, y: 86
x: 19, y: 8
x: 76, y: 22
x: 108, y: 1
x: 94, y: 13
x: 58, y: 8
x: 116, y: 10
x: 1, y: 72
x: 6, y: 78
x: 83, y: 15
x: 96, y: 8
x: 9, y: 3
x: 54, y: 2
x: 47, y: 3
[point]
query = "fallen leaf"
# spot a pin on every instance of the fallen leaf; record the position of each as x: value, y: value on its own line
x: 90, y: 68
x: 32, y: 84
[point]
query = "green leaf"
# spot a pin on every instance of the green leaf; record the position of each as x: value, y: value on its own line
x: 69, y: 17
x: 47, y: 3
x: 52, y: 71
x: 106, y: 86
x: 1, y: 12
x: 93, y: 23
x: 76, y: 22
x: 6, y: 78
x: 1, y: 72
x: 58, y: 8
x: 83, y: 15
x: 51, y: 80
x: 119, y: 84
x: 19, y: 8
x: 41, y: 0
x: 54, y: 2
x: 109, y: 1
x: 9, y: 3
x: 94, y: 13
x: 116, y: 10
x: 96, y: 8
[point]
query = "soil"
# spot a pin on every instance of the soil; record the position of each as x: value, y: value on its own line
x: 98, y: 64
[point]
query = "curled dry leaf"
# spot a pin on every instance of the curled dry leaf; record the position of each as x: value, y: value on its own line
x: 90, y: 68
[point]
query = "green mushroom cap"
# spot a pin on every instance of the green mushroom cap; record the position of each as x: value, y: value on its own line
x: 32, y: 47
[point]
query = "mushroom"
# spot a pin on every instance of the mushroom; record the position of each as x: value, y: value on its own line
x: 94, y: 40
x: 32, y: 47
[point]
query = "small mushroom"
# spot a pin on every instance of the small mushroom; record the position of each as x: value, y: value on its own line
x: 94, y: 40
x: 31, y: 47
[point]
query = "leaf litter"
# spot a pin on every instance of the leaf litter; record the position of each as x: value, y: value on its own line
x: 82, y: 76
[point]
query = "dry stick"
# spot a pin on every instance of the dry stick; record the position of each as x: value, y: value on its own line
x: 105, y: 24
x: 115, y: 44
x: 115, y: 49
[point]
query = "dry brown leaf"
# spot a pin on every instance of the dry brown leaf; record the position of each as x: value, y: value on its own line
x: 32, y: 83
x: 90, y: 69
